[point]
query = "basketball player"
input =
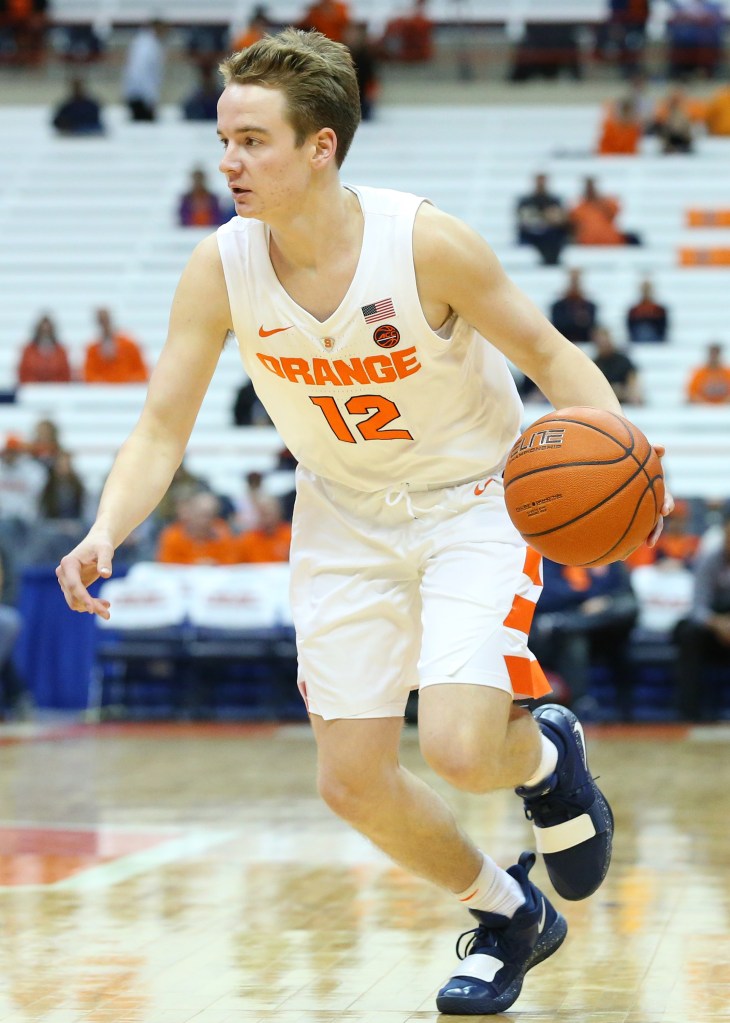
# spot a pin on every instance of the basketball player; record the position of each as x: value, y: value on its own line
x: 362, y: 315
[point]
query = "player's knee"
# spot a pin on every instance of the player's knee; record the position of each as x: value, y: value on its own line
x: 349, y: 794
x: 466, y: 759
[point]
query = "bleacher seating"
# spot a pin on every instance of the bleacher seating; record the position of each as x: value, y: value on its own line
x: 89, y: 222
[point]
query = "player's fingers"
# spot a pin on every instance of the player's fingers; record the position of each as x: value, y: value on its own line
x: 104, y: 560
x: 656, y: 532
x: 660, y: 450
x: 668, y: 506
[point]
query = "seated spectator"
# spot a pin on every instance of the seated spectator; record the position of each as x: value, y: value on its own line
x: 183, y: 485
x: 621, y: 130
x: 199, y: 536
x: 622, y: 37
x: 79, y: 113
x: 247, y: 506
x: 14, y: 696
x: 44, y: 359
x: 21, y: 481
x: 717, y: 115
x: 23, y: 25
x: 695, y: 35
x: 647, y: 320
x: 64, y: 494
x: 271, y: 539
x: 45, y: 445
x: 363, y: 57
x: 200, y: 207
x: 409, y: 37
x: 677, y: 542
x: 585, y: 615
x: 546, y: 49
x: 143, y: 71
x: 113, y: 358
x: 258, y: 26
x: 202, y: 103
x: 704, y: 636
x: 574, y: 315
x: 592, y: 219
x: 542, y: 221
x: 330, y: 17
x: 617, y: 368
x: 248, y: 410
x: 673, y: 124
x: 709, y: 384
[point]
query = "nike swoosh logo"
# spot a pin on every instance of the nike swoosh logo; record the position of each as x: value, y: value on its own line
x: 541, y: 925
x: 268, y: 333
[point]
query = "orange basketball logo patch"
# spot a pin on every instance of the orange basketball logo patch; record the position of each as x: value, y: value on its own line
x: 386, y: 335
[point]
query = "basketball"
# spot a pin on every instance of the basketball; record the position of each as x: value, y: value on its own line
x: 584, y: 486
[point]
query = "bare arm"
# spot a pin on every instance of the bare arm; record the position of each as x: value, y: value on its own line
x: 142, y: 471
x: 457, y: 270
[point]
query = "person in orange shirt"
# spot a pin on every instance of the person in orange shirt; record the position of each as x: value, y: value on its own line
x: 199, y: 536
x: 592, y: 219
x: 677, y: 541
x: 621, y: 131
x: 271, y: 539
x: 330, y: 17
x: 709, y: 384
x: 113, y: 358
x: 44, y: 359
x: 717, y: 116
x: 409, y: 38
x: 258, y: 26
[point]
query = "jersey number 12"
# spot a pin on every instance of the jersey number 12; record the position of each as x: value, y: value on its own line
x: 382, y: 412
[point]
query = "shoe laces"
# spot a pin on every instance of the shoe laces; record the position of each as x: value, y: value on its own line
x: 555, y: 807
x: 478, y: 939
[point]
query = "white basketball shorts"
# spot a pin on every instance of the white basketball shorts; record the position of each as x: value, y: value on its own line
x: 397, y: 590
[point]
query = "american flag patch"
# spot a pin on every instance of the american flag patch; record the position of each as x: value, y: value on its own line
x: 378, y: 310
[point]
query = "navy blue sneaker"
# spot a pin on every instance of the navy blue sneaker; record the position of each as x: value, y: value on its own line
x: 572, y: 821
x: 501, y: 950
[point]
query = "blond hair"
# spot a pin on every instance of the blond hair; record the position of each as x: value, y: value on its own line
x: 316, y: 75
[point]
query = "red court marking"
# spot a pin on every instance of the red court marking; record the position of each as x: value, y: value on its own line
x: 146, y: 730
x: 40, y: 855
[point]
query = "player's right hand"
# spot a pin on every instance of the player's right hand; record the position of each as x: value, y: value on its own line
x: 88, y: 561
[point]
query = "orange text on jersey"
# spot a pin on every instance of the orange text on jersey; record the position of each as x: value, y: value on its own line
x: 373, y: 369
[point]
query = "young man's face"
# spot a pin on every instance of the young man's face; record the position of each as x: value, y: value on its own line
x: 266, y: 172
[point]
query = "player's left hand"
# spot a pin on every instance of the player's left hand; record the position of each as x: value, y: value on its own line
x: 667, y: 507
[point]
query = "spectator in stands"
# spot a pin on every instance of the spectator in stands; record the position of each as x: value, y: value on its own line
x: 330, y: 17
x: 363, y: 57
x: 709, y: 384
x: 621, y: 130
x: 13, y: 693
x: 202, y: 103
x: 695, y: 35
x: 617, y: 368
x: 547, y: 48
x: 638, y: 92
x: 717, y: 115
x: 704, y: 637
x: 199, y: 536
x: 200, y: 207
x: 23, y: 25
x: 622, y: 37
x: 258, y: 26
x: 585, y: 615
x: 79, y: 113
x: 673, y: 124
x: 21, y: 482
x: 573, y: 314
x: 183, y: 484
x: 247, y: 506
x: 44, y: 359
x: 593, y: 219
x: 647, y: 320
x: 271, y: 539
x: 113, y: 358
x: 143, y: 71
x: 45, y: 444
x: 409, y: 37
x: 542, y: 221
x: 248, y: 410
x: 678, y: 541
x: 64, y: 494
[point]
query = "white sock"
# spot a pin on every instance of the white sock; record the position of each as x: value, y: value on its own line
x: 548, y: 762
x: 493, y: 891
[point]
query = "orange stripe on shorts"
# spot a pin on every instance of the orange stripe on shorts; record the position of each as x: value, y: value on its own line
x: 526, y: 677
x: 520, y: 615
x: 531, y: 568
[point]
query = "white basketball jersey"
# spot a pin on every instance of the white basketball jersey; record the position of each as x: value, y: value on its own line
x: 371, y: 397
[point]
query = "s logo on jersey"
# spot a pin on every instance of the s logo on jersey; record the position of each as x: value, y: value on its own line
x: 386, y: 335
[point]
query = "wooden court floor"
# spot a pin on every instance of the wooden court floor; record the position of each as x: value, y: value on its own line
x: 171, y: 874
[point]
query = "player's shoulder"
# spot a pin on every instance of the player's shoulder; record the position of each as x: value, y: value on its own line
x: 436, y: 234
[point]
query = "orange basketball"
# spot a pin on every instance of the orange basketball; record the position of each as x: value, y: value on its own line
x: 584, y: 486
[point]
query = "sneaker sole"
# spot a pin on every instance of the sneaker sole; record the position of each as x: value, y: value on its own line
x: 548, y: 943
